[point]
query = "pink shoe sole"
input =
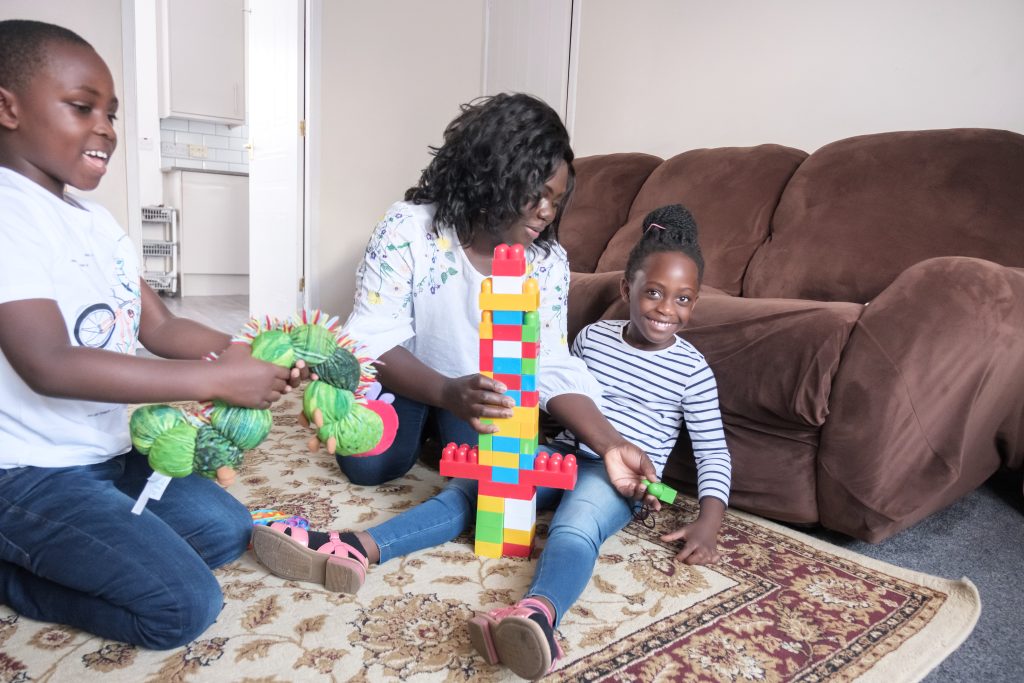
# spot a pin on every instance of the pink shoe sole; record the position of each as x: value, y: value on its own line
x: 289, y: 559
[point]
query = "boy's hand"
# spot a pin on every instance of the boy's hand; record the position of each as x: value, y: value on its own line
x: 241, y: 380
x: 299, y: 374
x: 700, y: 537
x: 475, y: 396
x: 627, y: 466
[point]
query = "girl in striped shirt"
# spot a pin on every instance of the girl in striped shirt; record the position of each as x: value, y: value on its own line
x: 654, y: 382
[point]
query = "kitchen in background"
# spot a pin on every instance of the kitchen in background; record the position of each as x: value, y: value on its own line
x: 196, y: 243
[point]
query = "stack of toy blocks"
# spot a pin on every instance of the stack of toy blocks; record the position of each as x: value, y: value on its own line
x: 506, y: 463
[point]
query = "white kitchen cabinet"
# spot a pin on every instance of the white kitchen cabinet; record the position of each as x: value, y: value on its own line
x: 202, y: 60
x: 213, y: 229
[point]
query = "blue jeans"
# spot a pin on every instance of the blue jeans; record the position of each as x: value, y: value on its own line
x: 393, y: 463
x: 72, y: 552
x: 585, y: 518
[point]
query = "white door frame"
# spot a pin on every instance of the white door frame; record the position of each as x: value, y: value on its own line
x: 277, y: 165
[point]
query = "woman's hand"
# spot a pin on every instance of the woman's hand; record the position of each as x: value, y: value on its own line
x: 241, y: 380
x: 627, y: 465
x: 700, y: 537
x: 476, y: 396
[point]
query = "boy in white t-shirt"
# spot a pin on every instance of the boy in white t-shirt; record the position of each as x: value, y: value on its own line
x: 72, y: 309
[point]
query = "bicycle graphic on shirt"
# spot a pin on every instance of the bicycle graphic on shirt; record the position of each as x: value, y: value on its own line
x: 96, y: 324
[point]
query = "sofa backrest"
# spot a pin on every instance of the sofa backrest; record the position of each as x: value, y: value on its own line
x: 606, y: 185
x: 732, y: 192
x: 859, y: 211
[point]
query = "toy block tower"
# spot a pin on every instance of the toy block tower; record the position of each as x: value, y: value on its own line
x: 506, y: 463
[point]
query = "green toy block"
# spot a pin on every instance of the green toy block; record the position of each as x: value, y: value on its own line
x: 663, y: 492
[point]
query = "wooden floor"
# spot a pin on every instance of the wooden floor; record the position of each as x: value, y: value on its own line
x: 225, y: 313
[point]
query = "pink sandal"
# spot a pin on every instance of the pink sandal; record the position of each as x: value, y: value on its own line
x: 508, y: 636
x: 285, y: 551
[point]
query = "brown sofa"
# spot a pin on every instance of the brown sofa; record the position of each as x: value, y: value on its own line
x: 863, y: 311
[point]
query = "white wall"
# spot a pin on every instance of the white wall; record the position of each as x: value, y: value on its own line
x: 393, y: 73
x: 663, y: 76
x: 99, y: 22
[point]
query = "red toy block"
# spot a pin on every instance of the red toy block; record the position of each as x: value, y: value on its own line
x: 515, y: 550
x: 508, y: 332
x: 462, y: 461
x: 529, y: 350
x: 529, y: 399
x: 509, y: 260
x: 513, y: 382
x: 486, y: 355
x: 500, y: 490
x: 552, y: 471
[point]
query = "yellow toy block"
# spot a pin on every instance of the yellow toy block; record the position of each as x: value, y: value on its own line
x: 490, y: 504
x: 507, y: 427
x: 485, y: 457
x: 509, y: 302
x: 487, y: 549
x: 486, y: 325
x: 505, y: 460
x: 518, y: 536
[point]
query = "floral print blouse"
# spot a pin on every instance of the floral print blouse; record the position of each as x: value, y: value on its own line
x: 418, y: 289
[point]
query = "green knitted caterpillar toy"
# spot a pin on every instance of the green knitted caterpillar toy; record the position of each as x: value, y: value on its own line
x: 212, y: 440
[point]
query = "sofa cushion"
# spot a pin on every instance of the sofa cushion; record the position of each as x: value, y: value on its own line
x: 731, y: 191
x: 605, y: 187
x: 859, y: 211
x: 774, y: 361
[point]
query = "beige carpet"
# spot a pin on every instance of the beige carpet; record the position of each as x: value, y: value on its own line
x: 781, y: 606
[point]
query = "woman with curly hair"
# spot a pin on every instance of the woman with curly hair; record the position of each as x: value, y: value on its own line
x: 502, y: 175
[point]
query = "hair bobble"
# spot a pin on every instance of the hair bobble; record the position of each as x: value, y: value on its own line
x: 653, y: 225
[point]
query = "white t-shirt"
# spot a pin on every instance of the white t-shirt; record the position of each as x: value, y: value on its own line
x: 76, y: 254
x: 419, y: 290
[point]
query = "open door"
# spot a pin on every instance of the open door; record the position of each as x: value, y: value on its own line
x: 276, y: 86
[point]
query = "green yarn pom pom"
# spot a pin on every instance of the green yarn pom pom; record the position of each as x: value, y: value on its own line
x: 274, y: 346
x: 213, y: 450
x: 333, y: 403
x: 149, y: 422
x: 341, y: 370
x: 244, y: 427
x: 313, y: 343
x: 173, y: 451
x: 357, y: 432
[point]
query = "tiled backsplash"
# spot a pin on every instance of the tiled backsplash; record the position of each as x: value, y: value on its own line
x: 197, y: 144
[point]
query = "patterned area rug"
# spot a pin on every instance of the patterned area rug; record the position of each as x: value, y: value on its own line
x: 781, y: 606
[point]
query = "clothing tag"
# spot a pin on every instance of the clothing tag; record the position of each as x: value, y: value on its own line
x: 153, y: 489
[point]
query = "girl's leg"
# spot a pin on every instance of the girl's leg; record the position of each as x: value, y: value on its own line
x: 430, y: 523
x: 585, y: 518
x: 400, y: 457
x: 72, y: 552
x: 439, y: 519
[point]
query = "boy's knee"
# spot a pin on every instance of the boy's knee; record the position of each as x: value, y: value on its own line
x: 165, y: 627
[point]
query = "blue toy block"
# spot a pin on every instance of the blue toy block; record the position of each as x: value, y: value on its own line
x: 508, y: 366
x: 528, y: 382
x: 505, y: 475
x: 508, y: 317
x: 526, y: 461
x: 504, y: 444
x: 516, y: 396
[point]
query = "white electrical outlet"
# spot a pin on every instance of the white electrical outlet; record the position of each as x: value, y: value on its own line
x: 199, y: 151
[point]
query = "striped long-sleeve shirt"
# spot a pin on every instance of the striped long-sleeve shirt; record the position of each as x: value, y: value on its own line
x: 649, y: 395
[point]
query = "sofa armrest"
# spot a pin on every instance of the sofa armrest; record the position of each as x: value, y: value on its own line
x: 928, y: 401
